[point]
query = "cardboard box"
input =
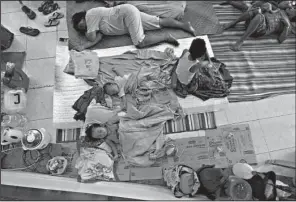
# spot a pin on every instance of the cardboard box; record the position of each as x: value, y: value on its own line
x: 221, y: 147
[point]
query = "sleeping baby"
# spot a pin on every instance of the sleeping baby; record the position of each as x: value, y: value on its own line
x: 117, y: 89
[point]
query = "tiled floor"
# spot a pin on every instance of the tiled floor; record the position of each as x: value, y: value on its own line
x: 272, y: 120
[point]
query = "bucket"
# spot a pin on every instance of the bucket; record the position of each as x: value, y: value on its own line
x: 35, y: 139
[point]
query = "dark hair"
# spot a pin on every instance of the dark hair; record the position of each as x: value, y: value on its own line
x: 197, y: 48
x: 76, y: 18
x: 89, y: 129
x: 106, y: 85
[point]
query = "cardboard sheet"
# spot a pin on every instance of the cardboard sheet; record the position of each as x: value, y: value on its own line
x: 222, y: 147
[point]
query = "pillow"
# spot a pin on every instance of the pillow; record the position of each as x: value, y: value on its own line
x: 84, y: 65
x: 96, y: 113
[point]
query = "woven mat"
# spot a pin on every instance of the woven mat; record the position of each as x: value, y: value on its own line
x: 263, y: 68
x: 200, y: 13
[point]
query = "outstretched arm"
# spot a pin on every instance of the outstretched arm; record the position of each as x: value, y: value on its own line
x: 284, y: 34
x: 113, y: 147
x: 93, y: 39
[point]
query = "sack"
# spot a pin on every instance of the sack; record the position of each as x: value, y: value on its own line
x: 211, y: 82
x: 6, y: 38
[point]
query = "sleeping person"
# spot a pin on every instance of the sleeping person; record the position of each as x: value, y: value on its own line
x: 99, y: 136
x: 125, y: 19
x: 117, y: 88
x: 264, y: 23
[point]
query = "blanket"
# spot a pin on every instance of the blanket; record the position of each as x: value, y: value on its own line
x: 141, y: 129
x: 200, y: 13
x: 95, y: 164
x: 264, y: 68
x: 132, y: 61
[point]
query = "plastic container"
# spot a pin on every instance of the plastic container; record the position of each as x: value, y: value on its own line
x: 10, y: 135
x: 238, y: 189
x: 57, y: 165
x: 35, y: 139
x: 15, y: 101
x: 14, y: 121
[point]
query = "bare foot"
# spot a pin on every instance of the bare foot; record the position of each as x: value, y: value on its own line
x: 172, y: 40
x: 236, y: 47
x: 188, y: 28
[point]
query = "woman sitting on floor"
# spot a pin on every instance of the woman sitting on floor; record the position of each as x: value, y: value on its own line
x: 125, y: 19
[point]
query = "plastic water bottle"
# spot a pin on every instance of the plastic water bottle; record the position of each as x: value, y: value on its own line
x: 14, y: 121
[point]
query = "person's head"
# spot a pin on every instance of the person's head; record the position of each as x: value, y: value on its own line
x: 291, y: 12
x: 96, y: 131
x: 198, y: 49
x: 266, y: 7
x: 79, y: 23
x: 111, y: 89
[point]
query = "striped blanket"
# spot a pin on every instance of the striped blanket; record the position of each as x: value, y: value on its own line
x: 193, y: 122
x: 263, y: 68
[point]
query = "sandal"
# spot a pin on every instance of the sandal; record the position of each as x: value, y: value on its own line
x: 51, y: 8
x: 56, y: 15
x: 51, y: 22
x: 31, y: 14
x: 29, y: 31
x: 45, y: 4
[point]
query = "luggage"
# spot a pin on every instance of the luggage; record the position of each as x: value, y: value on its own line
x: 6, y: 38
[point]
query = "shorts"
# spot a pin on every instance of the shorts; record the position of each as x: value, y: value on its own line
x: 136, y: 22
x: 262, y: 28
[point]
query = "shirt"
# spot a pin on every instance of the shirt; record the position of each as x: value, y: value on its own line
x: 108, y: 21
x: 182, y: 70
x: 121, y: 81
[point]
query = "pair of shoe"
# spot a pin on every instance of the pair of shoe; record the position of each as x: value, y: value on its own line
x: 48, y: 7
x: 53, y: 20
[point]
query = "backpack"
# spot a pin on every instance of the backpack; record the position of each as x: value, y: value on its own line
x: 212, y: 82
x: 6, y: 38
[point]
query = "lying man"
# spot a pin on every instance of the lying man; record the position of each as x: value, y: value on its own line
x: 263, y: 22
x: 125, y: 19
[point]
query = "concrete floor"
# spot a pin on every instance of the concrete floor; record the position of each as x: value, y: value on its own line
x: 272, y: 120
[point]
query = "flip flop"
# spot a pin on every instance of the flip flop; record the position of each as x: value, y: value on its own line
x: 51, y: 8
x: 29, y: 31
x: 31, y: 14
x: 44, y: 4
x: 56, y: 15
x: 51, y: 23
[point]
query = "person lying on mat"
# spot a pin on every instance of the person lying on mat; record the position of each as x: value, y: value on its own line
x: 260, y: 24
x: 97, y: 134
x: 189, y: 62
x: 117, y: 89
x: 242, y: 6
x: 125, y: 19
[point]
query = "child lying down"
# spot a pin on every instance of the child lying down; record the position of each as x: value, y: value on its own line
x: 98, y: 146
x: 101, y: 125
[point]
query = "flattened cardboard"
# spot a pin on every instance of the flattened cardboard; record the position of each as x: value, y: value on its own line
x: 222, y: 147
